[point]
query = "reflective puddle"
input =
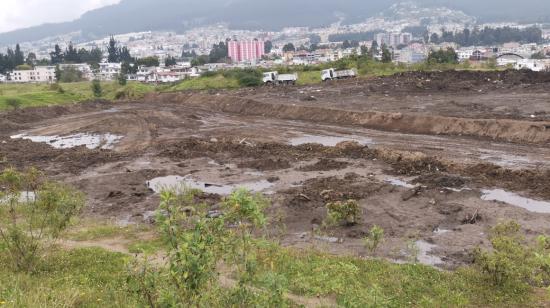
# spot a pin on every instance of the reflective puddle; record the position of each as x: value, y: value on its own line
x: 328, y: 141
x: 398, y: 182
x: 158, y: 184
x: 91, y: 141
x: 517, y: 200
x: 424, y: 248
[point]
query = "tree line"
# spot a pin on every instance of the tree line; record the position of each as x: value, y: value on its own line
x: 14, y: 58
x: 488, y: 36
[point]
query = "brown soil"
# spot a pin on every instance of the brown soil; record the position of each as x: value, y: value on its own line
x: 447, y: 134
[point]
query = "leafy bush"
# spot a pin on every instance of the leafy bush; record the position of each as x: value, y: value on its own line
x: 70, y: 74
x: 210, y: 74
x: 96, y: 88
x: 13, y: 103
x: 511, y: 264
x: 194, y: 242
x: 347, y: 212
x: 33, y: 214
x: 246, y: 77
x: 245, y: 211
x: 374, y: 238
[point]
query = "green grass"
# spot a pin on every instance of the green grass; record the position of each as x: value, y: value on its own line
x: 76, y: 278
x: 369, y: 283
x: 97, y: 278
x: 309, y: 77
x: 206, y: 83
x: 95, y: 231
x: 32, y: 95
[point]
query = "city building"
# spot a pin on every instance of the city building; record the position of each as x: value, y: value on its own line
x: 533, y: 65
x: 38, y: 74
x: 109, y: 71
x: 245, y: 51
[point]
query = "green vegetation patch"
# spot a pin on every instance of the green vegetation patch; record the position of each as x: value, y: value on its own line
x: 81, y: 277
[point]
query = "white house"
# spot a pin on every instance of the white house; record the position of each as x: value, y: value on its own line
x: 532, y: 64
x: 109, y: 71
x: 38, y: 74
x: 3, y: 78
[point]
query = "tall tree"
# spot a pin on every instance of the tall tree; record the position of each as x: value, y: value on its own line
x: 56, y: 55
x: 31, y: 59
x: 124, y: 55
x: 19, y: 56
x: 218, y: 53
x: 386, y: 54
x: 170, y: 61
x: 71, y: 54
x: 373, y: 49
x: 268, y: 46
x: 289, y: 47
x: 113, y: 51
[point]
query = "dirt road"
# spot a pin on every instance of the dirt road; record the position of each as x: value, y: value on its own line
x: 425, y: 155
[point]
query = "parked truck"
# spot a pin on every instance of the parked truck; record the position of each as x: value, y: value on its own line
x: 274, y: 78
x: 332, y: 74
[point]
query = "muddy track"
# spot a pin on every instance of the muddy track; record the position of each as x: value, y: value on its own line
x: 500, y: 130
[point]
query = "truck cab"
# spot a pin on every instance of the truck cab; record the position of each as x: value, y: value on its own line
x: 270, y: 77
x: 328, y: 74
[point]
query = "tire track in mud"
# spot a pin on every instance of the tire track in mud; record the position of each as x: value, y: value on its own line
x: 504, y: 130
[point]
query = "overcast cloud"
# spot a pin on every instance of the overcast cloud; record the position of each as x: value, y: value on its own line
x: 15, y: 14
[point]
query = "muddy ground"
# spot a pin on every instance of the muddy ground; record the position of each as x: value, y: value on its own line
x: 423, y: 154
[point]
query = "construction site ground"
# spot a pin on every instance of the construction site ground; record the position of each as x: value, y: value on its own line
x: 432, y: 158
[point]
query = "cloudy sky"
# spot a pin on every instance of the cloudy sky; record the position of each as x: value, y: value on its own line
x: 15, y: 14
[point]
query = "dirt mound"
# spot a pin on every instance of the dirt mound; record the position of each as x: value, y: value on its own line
x: 410, y: 163
x: 24, y: 154
x: 266, y: 152
x: 535, y: 181
x: 495, y: 129
x: 457, y: 81
x: 268, y: 164
x: 325, y: 164
x: 315, y: 193
x: 35, y: 114
x: 440, y: 180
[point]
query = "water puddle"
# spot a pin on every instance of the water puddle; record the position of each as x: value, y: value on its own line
x: 505, y: 160
x: 398, y: 182
x: 424, y: 248
x: 91, y: 141
x: 158, y: 184
x: 516, y: 200
x: 439, y: 231
x: 328, y: 141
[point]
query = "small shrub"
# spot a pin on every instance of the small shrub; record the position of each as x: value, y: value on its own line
x: 96, y: 88
x: 511, y: 264
x: 374, y: 238
x: 339, y: 212
x: 122, y: 94
x: 210, y: 74
x: 33, y: 214
x: 57, y: 87
x: 246, y: 212
x: 122, y: 79
x: 194, y: 242
x: 14, y: 103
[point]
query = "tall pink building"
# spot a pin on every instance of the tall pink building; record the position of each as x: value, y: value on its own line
x: 242, y: 51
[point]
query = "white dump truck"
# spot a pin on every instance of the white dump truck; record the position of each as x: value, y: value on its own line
x: 274, y: 78
x: 332, y: 74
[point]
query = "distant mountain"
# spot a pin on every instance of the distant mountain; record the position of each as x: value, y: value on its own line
x: 178, y: 15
